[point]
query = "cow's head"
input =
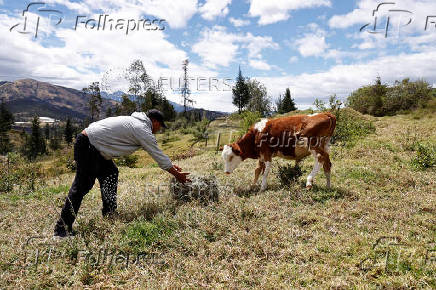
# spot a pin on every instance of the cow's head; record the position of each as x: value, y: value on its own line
x: 232, y: 157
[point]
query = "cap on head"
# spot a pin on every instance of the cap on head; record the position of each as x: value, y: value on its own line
x: 156, y: 115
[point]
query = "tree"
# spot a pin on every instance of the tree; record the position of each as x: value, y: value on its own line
x: 186, y: 92
x: 35, y: 143
x: 369, y: 99
x: 139, y: 83
x: 288, y: 102
x: 68, y: 132
x: 127, y: 106
x: 109, y: 112
x: 95, y: 100
x: 47, y: 131
x: 168, y: 110
x: 406, y: 95
x: 6, y: 122
x: 259, y: 100
x: 241, y: 96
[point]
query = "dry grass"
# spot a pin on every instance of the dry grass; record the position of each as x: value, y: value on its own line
x: 278, y: 238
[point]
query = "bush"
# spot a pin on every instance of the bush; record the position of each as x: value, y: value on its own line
x: 248, y: 119
x: 381, y: 100
x: 18, y: 172
x: 351, y: 125
x: 425, y: 156
x: 288, y: 174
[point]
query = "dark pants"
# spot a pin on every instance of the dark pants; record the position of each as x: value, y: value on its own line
x: 90, y: 165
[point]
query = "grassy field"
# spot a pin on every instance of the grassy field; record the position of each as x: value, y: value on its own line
x: 376, y: 227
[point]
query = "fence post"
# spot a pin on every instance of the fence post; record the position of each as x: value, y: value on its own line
x: 218, y: 142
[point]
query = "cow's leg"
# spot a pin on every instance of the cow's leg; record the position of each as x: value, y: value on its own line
x: 260, y: 169
x: 326, y: 164
x: 314, y: 172
x: 265, y: 175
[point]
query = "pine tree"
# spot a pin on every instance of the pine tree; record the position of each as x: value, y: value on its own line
x: 288, y: 104
x: 186, y: 92
x: 127, y: 106
x: 47, y: 131
x: 168, y: 110
x: 95, y: 100
x: 241, y: 96
x: 35, y: 143
x: 6, y: 121
x: 68, y: 132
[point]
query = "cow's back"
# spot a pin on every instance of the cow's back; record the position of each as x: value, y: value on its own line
x: 282, y: 136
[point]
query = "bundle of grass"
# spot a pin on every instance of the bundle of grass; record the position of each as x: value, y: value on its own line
x: 203, y: 189
x: 288, y: 174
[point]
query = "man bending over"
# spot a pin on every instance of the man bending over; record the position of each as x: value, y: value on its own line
x: 94, y: 149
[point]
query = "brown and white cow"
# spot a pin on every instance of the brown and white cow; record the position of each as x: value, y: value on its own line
x: 292, y: 138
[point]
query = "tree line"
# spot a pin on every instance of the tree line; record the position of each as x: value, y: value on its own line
x: 379, y: 99
x: 251, y: 95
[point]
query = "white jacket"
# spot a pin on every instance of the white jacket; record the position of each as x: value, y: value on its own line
x: 123, y: 135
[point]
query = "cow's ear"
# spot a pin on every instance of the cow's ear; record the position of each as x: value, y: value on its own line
x: 222, y: 148
x: 236, y: 149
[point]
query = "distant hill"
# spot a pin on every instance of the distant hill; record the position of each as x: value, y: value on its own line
x: 117, y: 96
x: 26, y: 98
x: 211, y: 115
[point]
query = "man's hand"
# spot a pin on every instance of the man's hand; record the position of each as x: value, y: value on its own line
x: 178, y: 174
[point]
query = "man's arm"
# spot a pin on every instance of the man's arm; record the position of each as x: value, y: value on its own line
x: 178, y: 174
x: 149, y: 144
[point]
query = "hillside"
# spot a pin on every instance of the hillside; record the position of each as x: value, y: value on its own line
x: 211, y: 115
x: 374, y: 229
x: 28, y: 97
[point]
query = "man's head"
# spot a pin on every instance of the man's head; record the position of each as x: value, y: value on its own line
x: 157, y: 119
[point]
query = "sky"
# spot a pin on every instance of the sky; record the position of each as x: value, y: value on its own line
x: 316, y: 48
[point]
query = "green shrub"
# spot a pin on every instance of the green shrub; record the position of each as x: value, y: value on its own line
x: 248, y: 119
x: 380, y: 100
x: 351, y: 125
x: 425, y: 156
x: 18, y: 172
x: 288, y: 174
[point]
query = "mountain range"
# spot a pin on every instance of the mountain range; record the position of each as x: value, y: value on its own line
x: 27, y: 97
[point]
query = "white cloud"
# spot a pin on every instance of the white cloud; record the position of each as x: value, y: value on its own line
x: 214, y: 8
x: 218, y: 47
x: 363, y: 14
x: 259, y: 64
x: 85, y: 54
x: 275, y: 11
x: 343, y: 79
x: 311, y: 45
x: 176, y: 13
x: 293, y: 59
x: 399, y: 33
x: 239, y: 22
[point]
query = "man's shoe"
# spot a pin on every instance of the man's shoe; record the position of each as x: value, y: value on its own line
x: 60, y: 232
x: 109, y: 214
